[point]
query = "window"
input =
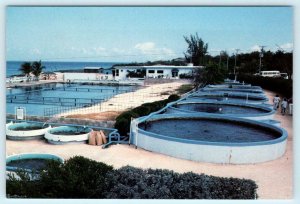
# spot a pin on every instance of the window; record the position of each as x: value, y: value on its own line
x: 117, y: 72
x: 121, y: 70
x: 151, y: 71
x: 160, y: 71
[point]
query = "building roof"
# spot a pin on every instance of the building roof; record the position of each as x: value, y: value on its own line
x: 158, y: 66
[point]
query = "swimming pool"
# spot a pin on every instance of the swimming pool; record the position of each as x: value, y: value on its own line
x: 37, y: 99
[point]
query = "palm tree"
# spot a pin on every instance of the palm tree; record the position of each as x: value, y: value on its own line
x: 37, y: 69
x: 196, y: 51
x: 26, y: 69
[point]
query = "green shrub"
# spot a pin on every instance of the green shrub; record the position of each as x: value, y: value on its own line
x: 173, y: 97
x: 184, y: 88
x: 78, y: 177
x: 124, y: 119
x: 130, y: 182
x: 142, y: 110
x: 22, y: 185
x: 278, y: 85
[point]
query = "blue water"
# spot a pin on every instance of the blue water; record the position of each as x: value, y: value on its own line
x: 37, y: 99
x: 12, y: 67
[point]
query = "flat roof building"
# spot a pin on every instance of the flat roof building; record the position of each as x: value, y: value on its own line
x: 154, y: 71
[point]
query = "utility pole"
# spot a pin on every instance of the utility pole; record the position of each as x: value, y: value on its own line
x: 261, y: 55
x: 236, y: 52
x: 220, y: 59
x: 227, y: 61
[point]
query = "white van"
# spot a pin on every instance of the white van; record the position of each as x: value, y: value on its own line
x: 270, y: 73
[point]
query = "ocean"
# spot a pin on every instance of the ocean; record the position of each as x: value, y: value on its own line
x: 12, y: 67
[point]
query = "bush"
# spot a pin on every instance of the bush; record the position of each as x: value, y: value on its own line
x: 184, y: 88
x: 22, y: 185
x: 173, y: 97
x: 142, y: 110
x: 130, y: 182
x: 278, y: 85
x: 78, y: 177
x: 124, y: 119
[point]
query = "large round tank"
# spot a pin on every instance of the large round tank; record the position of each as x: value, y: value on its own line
x: 67, y: 134
x: 216, y: 139
x: 26, y: 130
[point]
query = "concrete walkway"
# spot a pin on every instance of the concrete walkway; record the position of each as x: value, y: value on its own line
x: 274, y: 178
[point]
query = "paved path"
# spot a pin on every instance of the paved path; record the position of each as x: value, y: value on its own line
x: 274, y: 178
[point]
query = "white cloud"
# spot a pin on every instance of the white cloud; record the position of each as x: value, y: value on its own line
x: 36, y: 51
x: 145, y: 47
x: 287, y: 46
x: 150, y: 48
x: 99, y: 49
x: 255, y: 48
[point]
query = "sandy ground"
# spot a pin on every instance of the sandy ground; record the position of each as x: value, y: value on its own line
x: 121, y: 102
x: 274, y: 178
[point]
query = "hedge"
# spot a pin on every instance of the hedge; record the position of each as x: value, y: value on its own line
x: 124, y: 119
x: 80, y: 177
x: 135, y: 183
x: 278, y: 85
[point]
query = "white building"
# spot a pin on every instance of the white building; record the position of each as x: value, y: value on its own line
x: 88, y: 74
x: 155, y: 71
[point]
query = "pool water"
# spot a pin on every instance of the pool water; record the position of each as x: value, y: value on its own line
x: 39, y: 98
x: 221, y: 108
x: 32, y: 164
x: 210, y: 130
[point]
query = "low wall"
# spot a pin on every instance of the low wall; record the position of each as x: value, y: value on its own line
x: 205, y: 151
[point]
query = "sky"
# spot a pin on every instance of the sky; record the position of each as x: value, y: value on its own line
x: 139, y: 34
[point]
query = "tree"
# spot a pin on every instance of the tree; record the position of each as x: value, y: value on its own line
x: 211, y: 74
x: 196, y: 51
x: 37, y: 69
x: 26, y: 69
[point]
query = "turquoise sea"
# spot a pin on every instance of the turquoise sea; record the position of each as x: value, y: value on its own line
x: 12, y: 67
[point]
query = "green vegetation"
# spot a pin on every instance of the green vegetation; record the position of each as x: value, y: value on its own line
x: 196, y: 51
x: 35, y: 68
x: 278, y: 85
x: 80, y: 177
x: 184, y: 88
x: 211, y: 74
x: 124, y: 119
x: 26, y: 69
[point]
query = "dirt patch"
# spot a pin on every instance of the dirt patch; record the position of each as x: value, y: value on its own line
x: 103, y: 116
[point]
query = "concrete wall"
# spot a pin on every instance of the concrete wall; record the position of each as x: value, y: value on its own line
x: 13, y: 134
x: 86, y: 76
x: 50, y: 135
x: 212, y: 153
x: 205, y: 151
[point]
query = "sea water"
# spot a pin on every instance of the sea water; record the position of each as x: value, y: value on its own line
x: 13, y: 67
